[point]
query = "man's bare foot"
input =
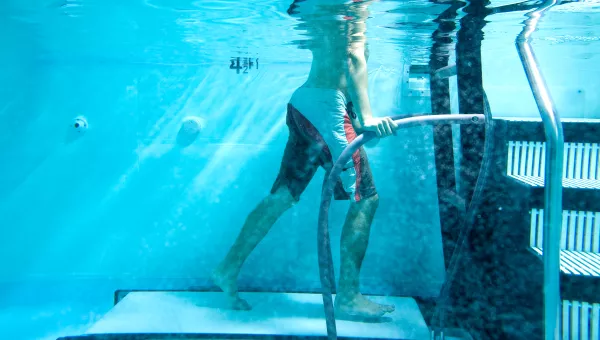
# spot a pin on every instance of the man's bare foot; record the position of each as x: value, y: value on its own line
x: 228, y: 285
x: 360, y: 307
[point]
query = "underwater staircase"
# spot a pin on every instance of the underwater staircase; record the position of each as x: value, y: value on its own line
x: 501, y: 282
x: 580, y: 238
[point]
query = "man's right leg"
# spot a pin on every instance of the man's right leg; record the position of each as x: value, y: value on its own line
x: 299, y: 163
x: 257, y: 225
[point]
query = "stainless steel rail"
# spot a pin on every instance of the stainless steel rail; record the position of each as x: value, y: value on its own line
x: 553, y: 172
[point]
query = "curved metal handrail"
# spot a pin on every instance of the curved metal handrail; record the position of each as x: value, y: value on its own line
x: 553, y: 172
x: 324, y: 246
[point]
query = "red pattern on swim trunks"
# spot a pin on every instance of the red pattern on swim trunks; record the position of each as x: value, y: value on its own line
x: 350, y: 136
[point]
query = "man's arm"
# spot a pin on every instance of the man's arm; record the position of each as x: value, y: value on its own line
x: 357, y: 76
x: 358, y: 83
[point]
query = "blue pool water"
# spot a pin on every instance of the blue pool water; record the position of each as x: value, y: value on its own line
x: 122, y: 206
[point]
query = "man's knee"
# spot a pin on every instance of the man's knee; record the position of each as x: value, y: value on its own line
x: 281, y: 199
x: 370, y: 203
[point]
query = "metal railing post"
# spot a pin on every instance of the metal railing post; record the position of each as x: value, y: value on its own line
x: 552, y: 176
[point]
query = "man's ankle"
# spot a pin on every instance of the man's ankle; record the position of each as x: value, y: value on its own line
x: 347, y: 295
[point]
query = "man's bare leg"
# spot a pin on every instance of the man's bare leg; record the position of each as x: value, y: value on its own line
x: 355, y: 238
x: 257, y: 225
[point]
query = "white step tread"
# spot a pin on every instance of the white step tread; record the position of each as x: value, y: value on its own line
x: 577, y: 262
x: 581, y: 166
x: 567, y: 182
x: 288, y: 314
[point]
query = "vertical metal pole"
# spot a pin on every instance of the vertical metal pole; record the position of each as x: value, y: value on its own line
x: 553, y: 173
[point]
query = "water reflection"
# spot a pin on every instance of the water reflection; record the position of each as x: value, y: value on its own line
x: 192, y: 31
x: 186, y: 31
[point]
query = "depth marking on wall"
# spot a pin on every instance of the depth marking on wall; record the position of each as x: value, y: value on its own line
x: 245, y: 63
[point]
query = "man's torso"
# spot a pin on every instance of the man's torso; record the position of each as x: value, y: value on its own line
x: 331, y: 26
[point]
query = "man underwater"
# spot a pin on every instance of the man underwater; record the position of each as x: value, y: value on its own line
x: 323, y: 116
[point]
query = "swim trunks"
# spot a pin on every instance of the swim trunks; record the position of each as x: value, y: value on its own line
x: 319, y: 130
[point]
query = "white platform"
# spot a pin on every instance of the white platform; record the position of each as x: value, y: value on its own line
x: 272, y: 314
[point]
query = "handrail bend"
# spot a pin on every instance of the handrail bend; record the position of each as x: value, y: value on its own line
x: 324, y: 246
x: 553, y: 172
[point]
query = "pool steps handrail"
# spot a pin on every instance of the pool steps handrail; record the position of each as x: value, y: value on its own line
x: 323, y: 242
x: 553, y: 171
